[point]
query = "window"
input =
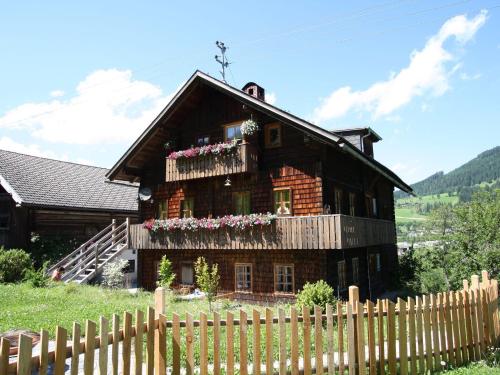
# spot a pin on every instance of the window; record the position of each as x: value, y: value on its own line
x: 241, y: 203
x: 375, y: 266
x: 163, y: 209
x: 337, y: 201
x: 272, y: 135
x: 243, y: 277
x: 4, y: 213
x: 187, y: 274
x: 202, y: 140
x: 352, y: 204
x: 374, y: 207
x: 232, y: 132
x: 283, y: 201
x: 355, y: 270
x: 187, y: 207
x: 283, y: 278
x: 341, y: 275
x: 4, y: 221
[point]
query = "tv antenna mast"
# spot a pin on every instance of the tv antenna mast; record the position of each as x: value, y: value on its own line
x: 222, y: 60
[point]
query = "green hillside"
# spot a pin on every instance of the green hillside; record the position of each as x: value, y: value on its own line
x: 485, y: 168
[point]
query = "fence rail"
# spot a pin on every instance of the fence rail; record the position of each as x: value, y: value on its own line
x: 410, y: 336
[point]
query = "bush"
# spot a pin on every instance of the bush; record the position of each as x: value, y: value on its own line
x: 113, y: 275
x: 37, y: 278
x: 13, y: 265
x: 165, y: 274
x: 207, y: 279
x: 318, y: 293
x: 433, y: 281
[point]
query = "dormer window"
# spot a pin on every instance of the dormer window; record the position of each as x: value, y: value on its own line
x: 232, y: 132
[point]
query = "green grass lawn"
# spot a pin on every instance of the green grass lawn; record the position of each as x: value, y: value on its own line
x: 474, y: 369
x: 24, y: 307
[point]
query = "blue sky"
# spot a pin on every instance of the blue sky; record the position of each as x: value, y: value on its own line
x: 80, y: 81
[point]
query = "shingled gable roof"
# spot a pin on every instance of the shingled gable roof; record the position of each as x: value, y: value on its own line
x: 312, y: 130
x: 46, y: 183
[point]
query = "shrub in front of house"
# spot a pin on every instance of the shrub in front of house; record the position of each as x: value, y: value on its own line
x: 38, y: 278
x: 166, y: 276
x: 14, y: 264
x: 318, y: 293
x: 113, y: 275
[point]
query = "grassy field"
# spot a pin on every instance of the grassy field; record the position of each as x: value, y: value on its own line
x: 406, y: 208
x: 23, y: 307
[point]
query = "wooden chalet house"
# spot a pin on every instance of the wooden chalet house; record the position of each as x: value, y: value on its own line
x: 332, y: 200
x: 57, y: 201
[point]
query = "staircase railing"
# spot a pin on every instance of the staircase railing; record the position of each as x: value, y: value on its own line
x: 106, y: 240
x: 80, y: 248
x: 99, y: 249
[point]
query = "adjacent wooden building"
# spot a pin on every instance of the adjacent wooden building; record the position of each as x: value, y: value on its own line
x: 334, y: 201
x: 43, y: 199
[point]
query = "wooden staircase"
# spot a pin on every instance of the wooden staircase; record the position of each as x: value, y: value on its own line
x: 84, y: 263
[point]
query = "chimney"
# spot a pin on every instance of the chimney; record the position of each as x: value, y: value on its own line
x: 253, y: 89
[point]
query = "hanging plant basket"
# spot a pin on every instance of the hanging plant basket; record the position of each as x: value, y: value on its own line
x: 249, y: 127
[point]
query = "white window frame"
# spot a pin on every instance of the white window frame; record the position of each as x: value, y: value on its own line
x: 276, y: 281
x: 241, y: 266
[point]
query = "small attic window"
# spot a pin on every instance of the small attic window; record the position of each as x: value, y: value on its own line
x: 250, y: 92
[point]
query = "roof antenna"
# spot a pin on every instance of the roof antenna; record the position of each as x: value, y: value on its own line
x: 224, y: 63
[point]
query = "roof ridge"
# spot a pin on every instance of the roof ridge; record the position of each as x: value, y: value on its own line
x: 58, y: 160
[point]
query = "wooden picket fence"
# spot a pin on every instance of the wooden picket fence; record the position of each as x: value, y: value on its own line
x: 410, y: 336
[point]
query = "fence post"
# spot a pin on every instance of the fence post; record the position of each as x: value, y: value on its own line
x: 465, y: 283
x: 474, y: 282
x: 485, y: 279
x: 353, y: 302
x: 159, y: 309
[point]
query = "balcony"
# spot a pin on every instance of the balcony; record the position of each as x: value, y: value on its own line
x: 242, y: 161
x: 296, y: 232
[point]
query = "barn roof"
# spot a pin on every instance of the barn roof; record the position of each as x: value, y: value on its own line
x: 120, y: 170
x: 47, y: 183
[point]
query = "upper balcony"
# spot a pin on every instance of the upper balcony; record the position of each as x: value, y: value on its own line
x: 242, y: 160
x: 295, y: 232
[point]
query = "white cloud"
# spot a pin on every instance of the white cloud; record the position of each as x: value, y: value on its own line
x: 9, y: 144
x: 57, y: 93
x: 109, y: 107
x: 271, y: 98
x: 407, y: 172
x: 427, y: 73
x: 467, y: 77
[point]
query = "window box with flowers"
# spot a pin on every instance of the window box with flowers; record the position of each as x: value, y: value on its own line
x: 211, y: 160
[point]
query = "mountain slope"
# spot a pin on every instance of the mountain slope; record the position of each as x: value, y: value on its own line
x: 483, y: 168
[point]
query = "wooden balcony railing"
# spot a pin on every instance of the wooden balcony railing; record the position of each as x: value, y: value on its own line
x: 243, y: 160
x: 296, y: 232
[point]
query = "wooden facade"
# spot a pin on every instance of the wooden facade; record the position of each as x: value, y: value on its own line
x: 65, y: 225
x: 293, y: 232
x: 339, y: 207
